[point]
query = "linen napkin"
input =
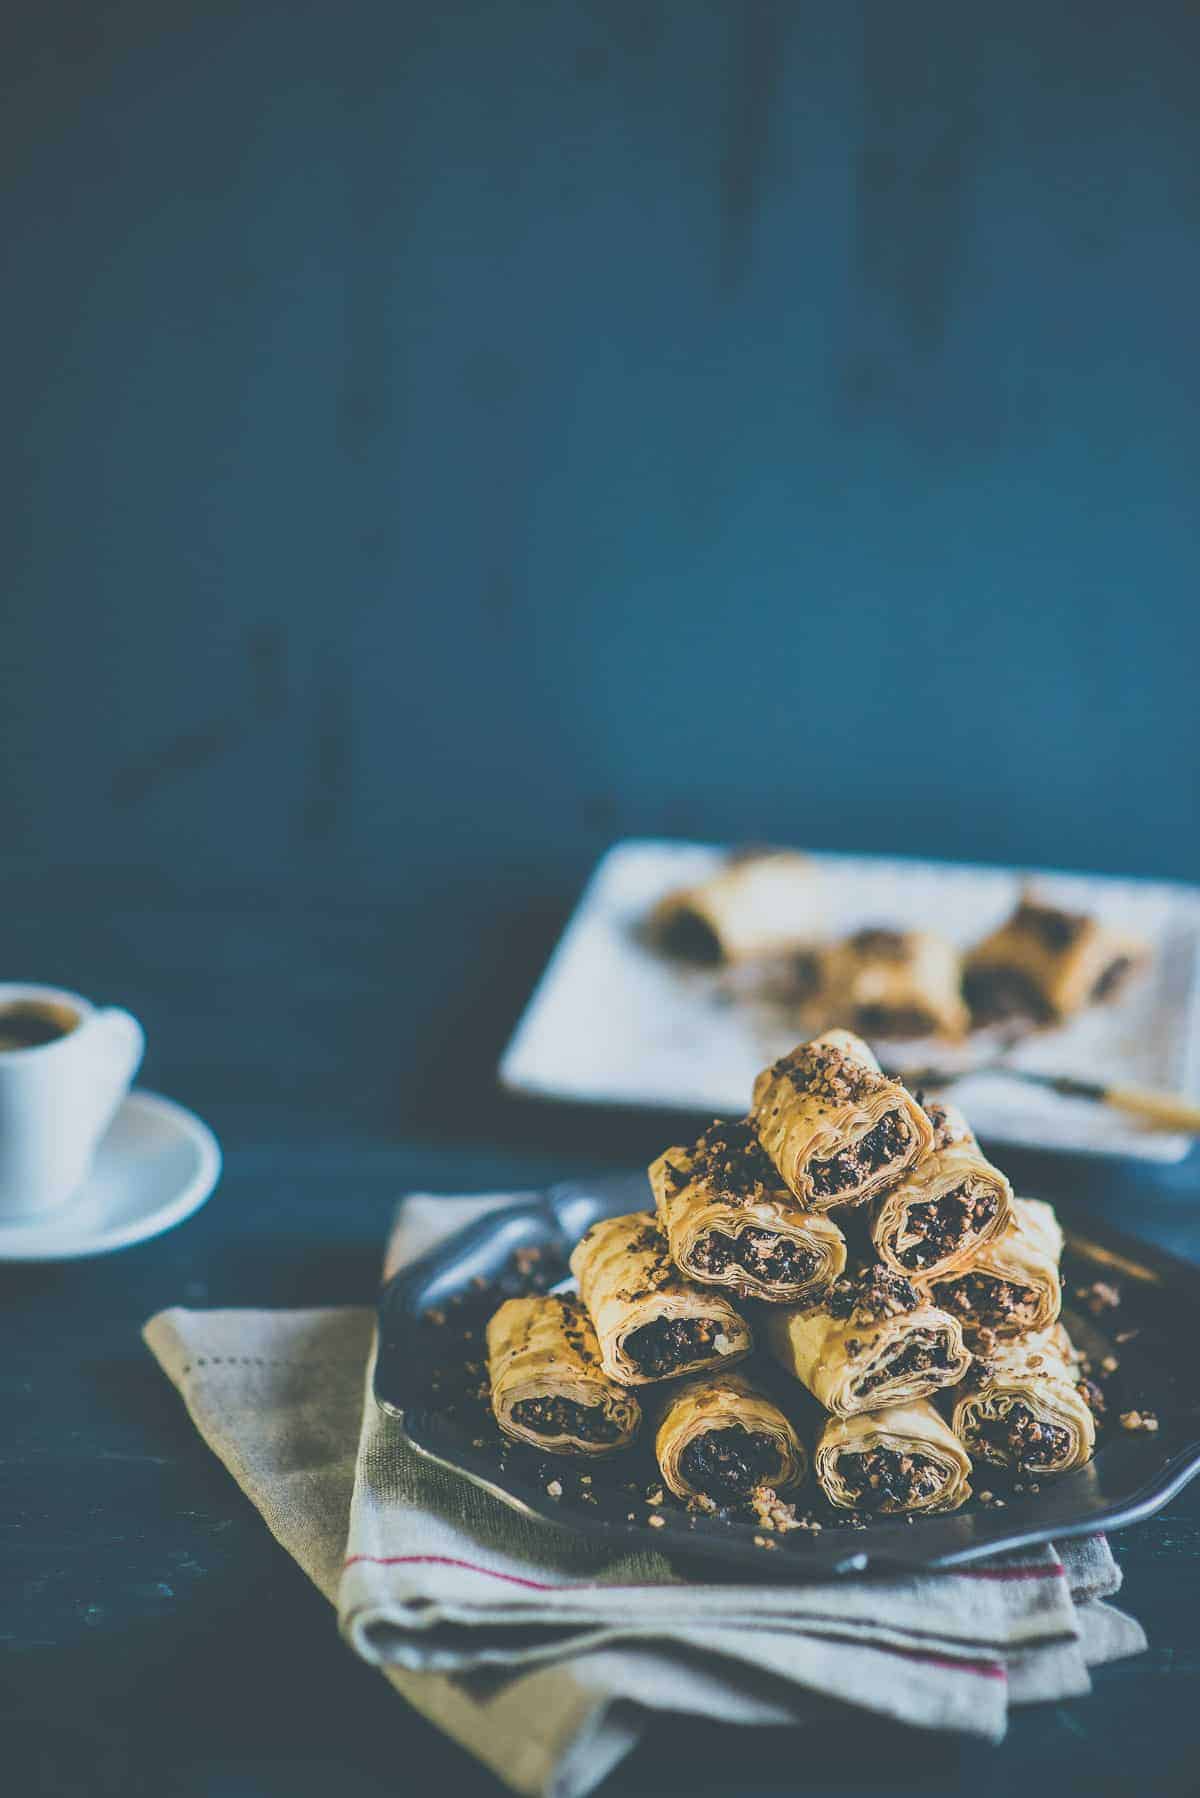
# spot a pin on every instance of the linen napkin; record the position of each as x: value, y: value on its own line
x: 545, y: 1656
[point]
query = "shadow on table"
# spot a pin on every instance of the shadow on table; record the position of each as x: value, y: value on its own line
x: 452, y: 1091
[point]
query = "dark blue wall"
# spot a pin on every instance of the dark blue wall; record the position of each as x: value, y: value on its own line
x: 438, y: 438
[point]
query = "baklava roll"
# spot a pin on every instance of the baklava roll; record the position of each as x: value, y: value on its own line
x: 874, y: 1341
x: 906, y: 1459
x: 1044, y: 964
x: 548, y: 1387
x: 652, y: 1324
x: 1024, y: 1410
x: 835, y: 1126
x: 896, y: 983
x: 730, y: 1220
x: 1012, y: 1285
x: 719, y: 1437
x: 755, y: 904
x: 946, y: 1208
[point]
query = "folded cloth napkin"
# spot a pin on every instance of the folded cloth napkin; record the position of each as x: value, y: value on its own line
x: 545, y: 1656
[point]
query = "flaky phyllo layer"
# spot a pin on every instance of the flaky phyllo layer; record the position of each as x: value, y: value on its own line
x: 837, y: 1129
x: 946, y: 1208
x: 547, y: 1385
x: 1011, y: 1286
x: 1026, y: 1410
x: 719, y: 1436
x: 895, y: 983
x: 904, y: 1459
x: 874, y: 1341
x: 652, y: 1324
x: 730, y: 1220
x: 1045, y: 964
x: 752, y: 905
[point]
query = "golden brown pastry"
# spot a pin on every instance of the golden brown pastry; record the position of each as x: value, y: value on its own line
x: 719, y: 1437
x: 755, y: 904
x: 652, y: 1324
x: 731, y: 1221
x: 874, y: 1341
x: 837, y: 1128
x: 1045, y: 964
x: 896, y: 983
x: 946, y: 1208
x: 904, y: 1459
x: 1023, y: 1409
x: 548, y: 1387
x: 1010, y: 1286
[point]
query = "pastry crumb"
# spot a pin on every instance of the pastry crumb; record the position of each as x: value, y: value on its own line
x: 554, y: 1488
x: 774, y: 1513
x: 1100, y: 1296
x: 1139, y: 1420
x: 656, y: 1520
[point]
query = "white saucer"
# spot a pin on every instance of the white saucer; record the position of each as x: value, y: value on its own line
x: 156, y: 1164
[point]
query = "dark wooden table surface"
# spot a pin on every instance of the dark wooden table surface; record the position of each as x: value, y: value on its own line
x: 156, y: 1640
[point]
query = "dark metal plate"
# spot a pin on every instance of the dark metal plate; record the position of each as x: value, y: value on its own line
x: 429, y: 1372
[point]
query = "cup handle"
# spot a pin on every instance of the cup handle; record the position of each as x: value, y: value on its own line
x: 119, y: 1042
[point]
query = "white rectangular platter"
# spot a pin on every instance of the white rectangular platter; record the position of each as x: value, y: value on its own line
x: 614, y: 1022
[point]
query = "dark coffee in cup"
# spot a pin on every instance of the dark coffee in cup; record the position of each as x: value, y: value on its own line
x: 31, y: 1023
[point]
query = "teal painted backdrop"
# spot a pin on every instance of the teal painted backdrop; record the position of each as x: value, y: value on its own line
x: 439, y: 438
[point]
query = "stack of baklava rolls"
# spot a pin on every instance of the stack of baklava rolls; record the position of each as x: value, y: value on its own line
x: 877, y: 1257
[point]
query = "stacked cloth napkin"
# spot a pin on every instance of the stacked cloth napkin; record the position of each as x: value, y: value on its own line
x: 545, y: 1656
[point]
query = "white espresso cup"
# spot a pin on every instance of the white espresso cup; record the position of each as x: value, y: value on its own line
x: 65, y: 1066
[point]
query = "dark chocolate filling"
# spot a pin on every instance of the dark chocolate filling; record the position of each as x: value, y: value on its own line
x: 885, y: 1143
x: 566, y: 1417
x: 668, y: 1344
x: 883, y: 944
x: 894, y: 1020
x: 798, y: 978
x: 728, y: 1463
x: 1022, y: 1441
x: 884, y: 1479
x: 987, y: 1301
x: 764, y: 1256
x: 1056, y: 930
x: 690, y: 937
x: 1112, y: 977
x: 924, y: 1349
x: 995, y: 993
x: 946, y: 1223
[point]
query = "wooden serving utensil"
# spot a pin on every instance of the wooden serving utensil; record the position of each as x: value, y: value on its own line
x: 1163, y: 1111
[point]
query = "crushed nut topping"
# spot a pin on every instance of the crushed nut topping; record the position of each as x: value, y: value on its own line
x: 730, y: 1161
x: 773, y: 1512
x: 1099, y: 1297
x: 872, y: 1294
